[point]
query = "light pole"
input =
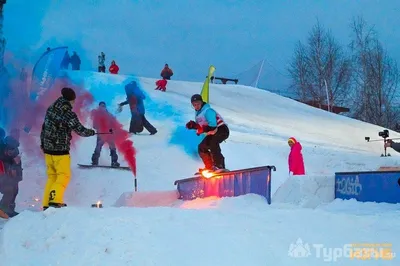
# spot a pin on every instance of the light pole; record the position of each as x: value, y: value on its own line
x: 327, y: 95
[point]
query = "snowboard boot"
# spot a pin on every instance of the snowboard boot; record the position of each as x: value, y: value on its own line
x: 95, y: 162
x: 12, y: 213
x: 115, y: 164
x: 95, y: 158
x: 57, y: 205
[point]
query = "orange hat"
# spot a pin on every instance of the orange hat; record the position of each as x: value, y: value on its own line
x: 292, y: 140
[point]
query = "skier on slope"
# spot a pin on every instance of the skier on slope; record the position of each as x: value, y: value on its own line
x: 102, y: 122
x: 55, y: 141
x: 209, y: 122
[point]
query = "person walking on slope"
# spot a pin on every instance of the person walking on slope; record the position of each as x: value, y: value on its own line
x: 55, y: 139
x: 135, y: 98
x: 295, y: 160
x: 101, y: 122
x: 211, y: 123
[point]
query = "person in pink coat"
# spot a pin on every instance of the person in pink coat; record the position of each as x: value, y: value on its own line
x: 296, y: 162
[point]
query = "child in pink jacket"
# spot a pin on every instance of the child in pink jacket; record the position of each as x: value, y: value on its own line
x: 296, y: 162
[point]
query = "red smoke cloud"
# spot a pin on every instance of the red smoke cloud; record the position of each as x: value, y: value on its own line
x: 31, y: 115
x: 104, y: 121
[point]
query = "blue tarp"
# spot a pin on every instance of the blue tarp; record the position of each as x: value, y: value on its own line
x: 368, y: 186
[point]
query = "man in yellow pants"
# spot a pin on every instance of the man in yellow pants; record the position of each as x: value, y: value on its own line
x: 55, y: 139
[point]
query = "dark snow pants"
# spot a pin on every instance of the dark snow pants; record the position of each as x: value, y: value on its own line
x: 9, y: 187
x: 138, y: 122
x: 210, y: 151
x: 99, y: 145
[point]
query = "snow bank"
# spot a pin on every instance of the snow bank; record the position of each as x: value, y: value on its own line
x: 235, y: 231
x: 306, y: 191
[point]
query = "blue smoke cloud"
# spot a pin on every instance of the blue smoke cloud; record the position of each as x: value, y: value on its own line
x: 158, y: 108
x: 181, y: 137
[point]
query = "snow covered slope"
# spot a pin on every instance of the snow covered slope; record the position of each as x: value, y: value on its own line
x: 237, y: 231
x: 260, y: 124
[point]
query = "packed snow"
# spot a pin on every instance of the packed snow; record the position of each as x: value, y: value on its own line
x: 152, y: 227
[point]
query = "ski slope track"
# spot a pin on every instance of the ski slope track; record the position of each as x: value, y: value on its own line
x: 152, y: 227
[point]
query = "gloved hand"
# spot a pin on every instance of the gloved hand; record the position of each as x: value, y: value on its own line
x: 119, y: 109
x: 191, y: 125
x: 92, y: 132
x: 200, y: 130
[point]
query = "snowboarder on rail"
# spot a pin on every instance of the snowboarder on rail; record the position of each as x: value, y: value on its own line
x: 101, y: 122
x: 209, y: 122
x: 55, y: 141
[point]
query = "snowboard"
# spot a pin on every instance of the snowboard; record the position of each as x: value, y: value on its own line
x: 103, y: 166
x: 213, y: 172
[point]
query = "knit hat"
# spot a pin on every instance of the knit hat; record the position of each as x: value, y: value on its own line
x: 292, y: 140
x: 68, y: 94
x: 196, y: 97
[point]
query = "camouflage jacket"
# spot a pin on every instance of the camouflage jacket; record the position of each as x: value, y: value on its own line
x: 59, y: 122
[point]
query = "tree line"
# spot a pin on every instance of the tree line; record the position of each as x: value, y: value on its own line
x: 360, y: 75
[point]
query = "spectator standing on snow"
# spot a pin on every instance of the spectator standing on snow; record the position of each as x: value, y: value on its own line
x: 113, y: 68
x: 135, y: 98
x: 102, y: 122
x: 75, y: 61
x: 166, y: 73
x: 295, y: 160
x: 55, y: 141
x: 12, y: 172
x: 102, y: 60
x: 66, y: 60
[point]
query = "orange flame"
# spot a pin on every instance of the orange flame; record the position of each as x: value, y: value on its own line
x: 207, y: 173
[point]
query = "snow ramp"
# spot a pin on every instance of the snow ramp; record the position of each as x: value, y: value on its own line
x: 306, y: 191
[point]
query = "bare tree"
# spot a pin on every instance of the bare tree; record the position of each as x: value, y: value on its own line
x: 318, y: 64
x: 375, y: 78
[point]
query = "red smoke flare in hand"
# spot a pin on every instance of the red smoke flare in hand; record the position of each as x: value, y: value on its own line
x: 103, y: 121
